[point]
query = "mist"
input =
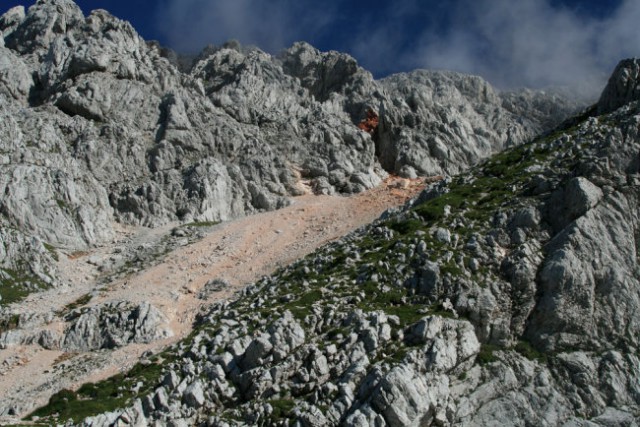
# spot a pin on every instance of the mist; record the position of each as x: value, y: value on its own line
x: 528, y: 43
x: 531, y: 43
x: 189, y: 25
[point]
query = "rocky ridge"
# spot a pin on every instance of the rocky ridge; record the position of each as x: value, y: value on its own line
x: 505, y: 295
x: 98, y: 127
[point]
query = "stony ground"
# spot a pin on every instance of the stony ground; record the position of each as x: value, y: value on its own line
x: 487, y: 301
x: 236, y: 253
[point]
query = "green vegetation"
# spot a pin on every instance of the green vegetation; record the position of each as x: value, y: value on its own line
x: 95, y: 398
x: 52, y: 250
x: 301, y: 307
x: 437, y: 310
x: 15, y: 286
x: 409, y: 226
x: 525, y: 349
x: 83, y: 300
x: 9, y: 323
x: 451, y: 268
x: 281, y: 408
x: 486, y: 354
x: 12, y: 292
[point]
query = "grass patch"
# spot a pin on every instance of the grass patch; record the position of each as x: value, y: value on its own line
x: 393, y: 302
x: 434, y: 209
x: 496, y: 182
x: 398, y: 356
x: 486, y: 354
x: 16, y: 286
x: 525, y: 349
x: 83, y: 300
x: 52, y: 250
x: 12, y: 292
x: 407, y: 313
x: 409, y: 226
x: 301, y: 307
x: 281, y: 408
x: 437, y: 310
x: 95, y: 398
x: 502, y: 165
x: 450, y: 267
x: 9, y: 323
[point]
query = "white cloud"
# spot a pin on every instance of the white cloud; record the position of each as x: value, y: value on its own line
x: 192, y: 24
x: 532, y: 43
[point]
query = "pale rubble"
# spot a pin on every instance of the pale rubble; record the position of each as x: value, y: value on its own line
x: 528, y: 306
x: 506, y: 295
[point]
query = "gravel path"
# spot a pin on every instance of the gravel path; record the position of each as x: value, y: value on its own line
x: 238, y: 252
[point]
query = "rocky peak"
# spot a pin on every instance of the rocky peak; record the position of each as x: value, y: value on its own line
x: 321, y: 72
x: 42, y: 24
x: 10, y: 21
x: 328, y: 74
x: 97, y: 126
x: 623, y: 86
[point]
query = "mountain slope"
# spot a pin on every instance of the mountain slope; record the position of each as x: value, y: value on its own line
x: 506, y: 295
x: 99, y: 128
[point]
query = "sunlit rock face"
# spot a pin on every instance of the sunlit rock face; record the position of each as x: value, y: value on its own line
x: 506, y: 294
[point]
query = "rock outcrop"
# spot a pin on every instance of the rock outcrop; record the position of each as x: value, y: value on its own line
x: 109, y: 129
x: 507, y: 295
x: 623, y: 86
x: 106, y: 326
x: 99, y: 127
x: 114, y: 325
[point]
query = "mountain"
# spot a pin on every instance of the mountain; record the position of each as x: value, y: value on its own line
x: 506, y: 293
x: 99, y: 129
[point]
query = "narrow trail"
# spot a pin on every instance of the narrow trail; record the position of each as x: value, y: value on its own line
x: 238, y: 252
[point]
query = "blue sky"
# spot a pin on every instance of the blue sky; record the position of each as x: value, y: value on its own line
x: 534, y: 43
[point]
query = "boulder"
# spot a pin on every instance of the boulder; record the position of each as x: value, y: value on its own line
x: 623, y: 86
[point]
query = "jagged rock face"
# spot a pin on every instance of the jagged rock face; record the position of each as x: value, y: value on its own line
x: 441, y: 122
x: 623, y: 86
x: 27, y: 257
x: 507, y: 295
x: 332, y: 78
x: 114, y: 325
x: 129, y: 137
x: 253, y: 89
x: 432, y: 122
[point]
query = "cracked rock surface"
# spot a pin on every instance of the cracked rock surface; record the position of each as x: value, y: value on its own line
x: 506, y: 295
